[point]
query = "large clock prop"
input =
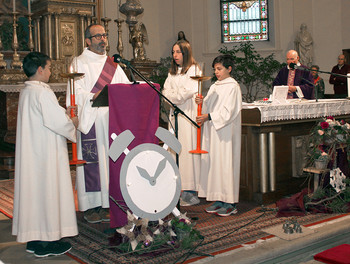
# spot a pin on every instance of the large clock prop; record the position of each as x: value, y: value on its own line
x: 150, y: 180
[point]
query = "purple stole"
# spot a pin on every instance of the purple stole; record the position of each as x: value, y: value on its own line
x: 88, y: 141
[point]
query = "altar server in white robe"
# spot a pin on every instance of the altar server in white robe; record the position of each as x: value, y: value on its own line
x: 181, y: 89
x: 44, y: 209
x: 98, y: 70
x: 220, y: 169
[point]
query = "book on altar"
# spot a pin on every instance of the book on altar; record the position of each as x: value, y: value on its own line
x: 279, y: 95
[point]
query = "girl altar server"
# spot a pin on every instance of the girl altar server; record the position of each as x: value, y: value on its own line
x: 181, y: 89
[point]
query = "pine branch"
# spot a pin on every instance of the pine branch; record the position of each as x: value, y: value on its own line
x: 324, y: 200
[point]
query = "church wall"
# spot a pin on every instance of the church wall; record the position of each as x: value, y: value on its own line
x: 326, y: 20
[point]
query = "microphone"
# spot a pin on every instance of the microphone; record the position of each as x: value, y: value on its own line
x: 294, y: 66
x: 118, y: 58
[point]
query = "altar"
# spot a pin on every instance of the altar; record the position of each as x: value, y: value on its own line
x: 274, y: 139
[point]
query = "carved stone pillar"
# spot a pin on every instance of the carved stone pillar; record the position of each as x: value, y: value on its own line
x: 70, y: 18
x: 63, y: 24
x: 57, y: 40
x: 49, y: 35
x: 82, y: 28
x: 37, y: 42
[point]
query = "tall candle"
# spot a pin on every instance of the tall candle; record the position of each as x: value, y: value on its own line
x: 29, y: 11
x: 14, y: 5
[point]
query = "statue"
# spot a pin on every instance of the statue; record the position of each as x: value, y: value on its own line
x: 138, y: 36
x: 303, y: 45
x: 181, y: 36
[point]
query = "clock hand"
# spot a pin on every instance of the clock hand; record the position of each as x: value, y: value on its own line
x: 144, y: 173
x: 160, y: 168
x: 152, y: 180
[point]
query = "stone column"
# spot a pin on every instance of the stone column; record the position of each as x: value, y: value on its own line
x: 57, y: 40
x: 49, y: 35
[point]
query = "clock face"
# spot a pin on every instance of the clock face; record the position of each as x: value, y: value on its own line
x: 150, y: 181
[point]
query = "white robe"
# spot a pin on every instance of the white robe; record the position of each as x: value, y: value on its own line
x: 220, y: 169
x: 92, y: 64
x: 43, y: 200
x: 181, y: 90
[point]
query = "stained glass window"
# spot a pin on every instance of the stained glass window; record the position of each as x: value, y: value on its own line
x: 244, y: 21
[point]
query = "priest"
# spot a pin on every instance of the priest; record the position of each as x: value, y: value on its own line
x: 93, y: 143
x: 299, y: 81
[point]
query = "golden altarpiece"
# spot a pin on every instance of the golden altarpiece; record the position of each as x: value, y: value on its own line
x: 55, y: 28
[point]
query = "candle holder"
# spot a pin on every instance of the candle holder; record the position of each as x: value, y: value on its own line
x: 30, y: 29
x: 71, y: 77
x: 16, y: 63
x: 120, y: 46
x: 200, y: 80
x: 105, y: 21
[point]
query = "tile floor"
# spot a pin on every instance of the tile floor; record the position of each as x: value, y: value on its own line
x: 12, y: 252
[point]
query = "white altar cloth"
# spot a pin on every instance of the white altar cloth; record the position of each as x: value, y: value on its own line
x: 301, y: 109
x: 16, y: 88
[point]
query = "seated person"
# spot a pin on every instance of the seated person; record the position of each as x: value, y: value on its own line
x: 297, y: 80
x: 318, y: 82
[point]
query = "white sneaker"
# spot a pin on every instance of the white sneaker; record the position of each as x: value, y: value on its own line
x: 188, y: 199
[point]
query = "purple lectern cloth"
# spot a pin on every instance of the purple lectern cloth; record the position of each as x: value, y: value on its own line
x: 133, y: 107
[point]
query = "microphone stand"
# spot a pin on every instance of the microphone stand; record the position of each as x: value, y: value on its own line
x: 177, y: 110
x: 307, y: 69
x: 313, y: 85
x: 331, y: 73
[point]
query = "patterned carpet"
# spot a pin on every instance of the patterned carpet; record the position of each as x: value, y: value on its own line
x: 6, y: 197
x: 220, y: 233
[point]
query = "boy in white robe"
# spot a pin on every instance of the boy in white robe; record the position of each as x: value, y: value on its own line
x: 220, y: 169
x: 44, y: 209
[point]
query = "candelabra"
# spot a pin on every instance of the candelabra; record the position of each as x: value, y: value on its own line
x: 71, y: 75
x: 105, y: 21
x: 16, y: 63
x: 30, y: 29
x: 120, y: 46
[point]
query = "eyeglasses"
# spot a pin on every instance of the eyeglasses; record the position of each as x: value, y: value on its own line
x: 99, y: 36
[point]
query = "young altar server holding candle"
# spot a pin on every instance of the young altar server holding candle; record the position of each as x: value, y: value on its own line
x: 44, y: 209
x: 220, y: 168
x: 180, y: 88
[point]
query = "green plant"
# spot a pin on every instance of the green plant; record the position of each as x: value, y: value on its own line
x: 329, y: 200
x: 254, y: 72
x: 160, y: 73
x: 159, y: 76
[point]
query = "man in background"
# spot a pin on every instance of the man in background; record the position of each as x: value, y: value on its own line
x: 340, y: 84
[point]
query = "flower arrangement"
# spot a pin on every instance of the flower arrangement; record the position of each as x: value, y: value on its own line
x: 141, y: 236
x: 328, y: 136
